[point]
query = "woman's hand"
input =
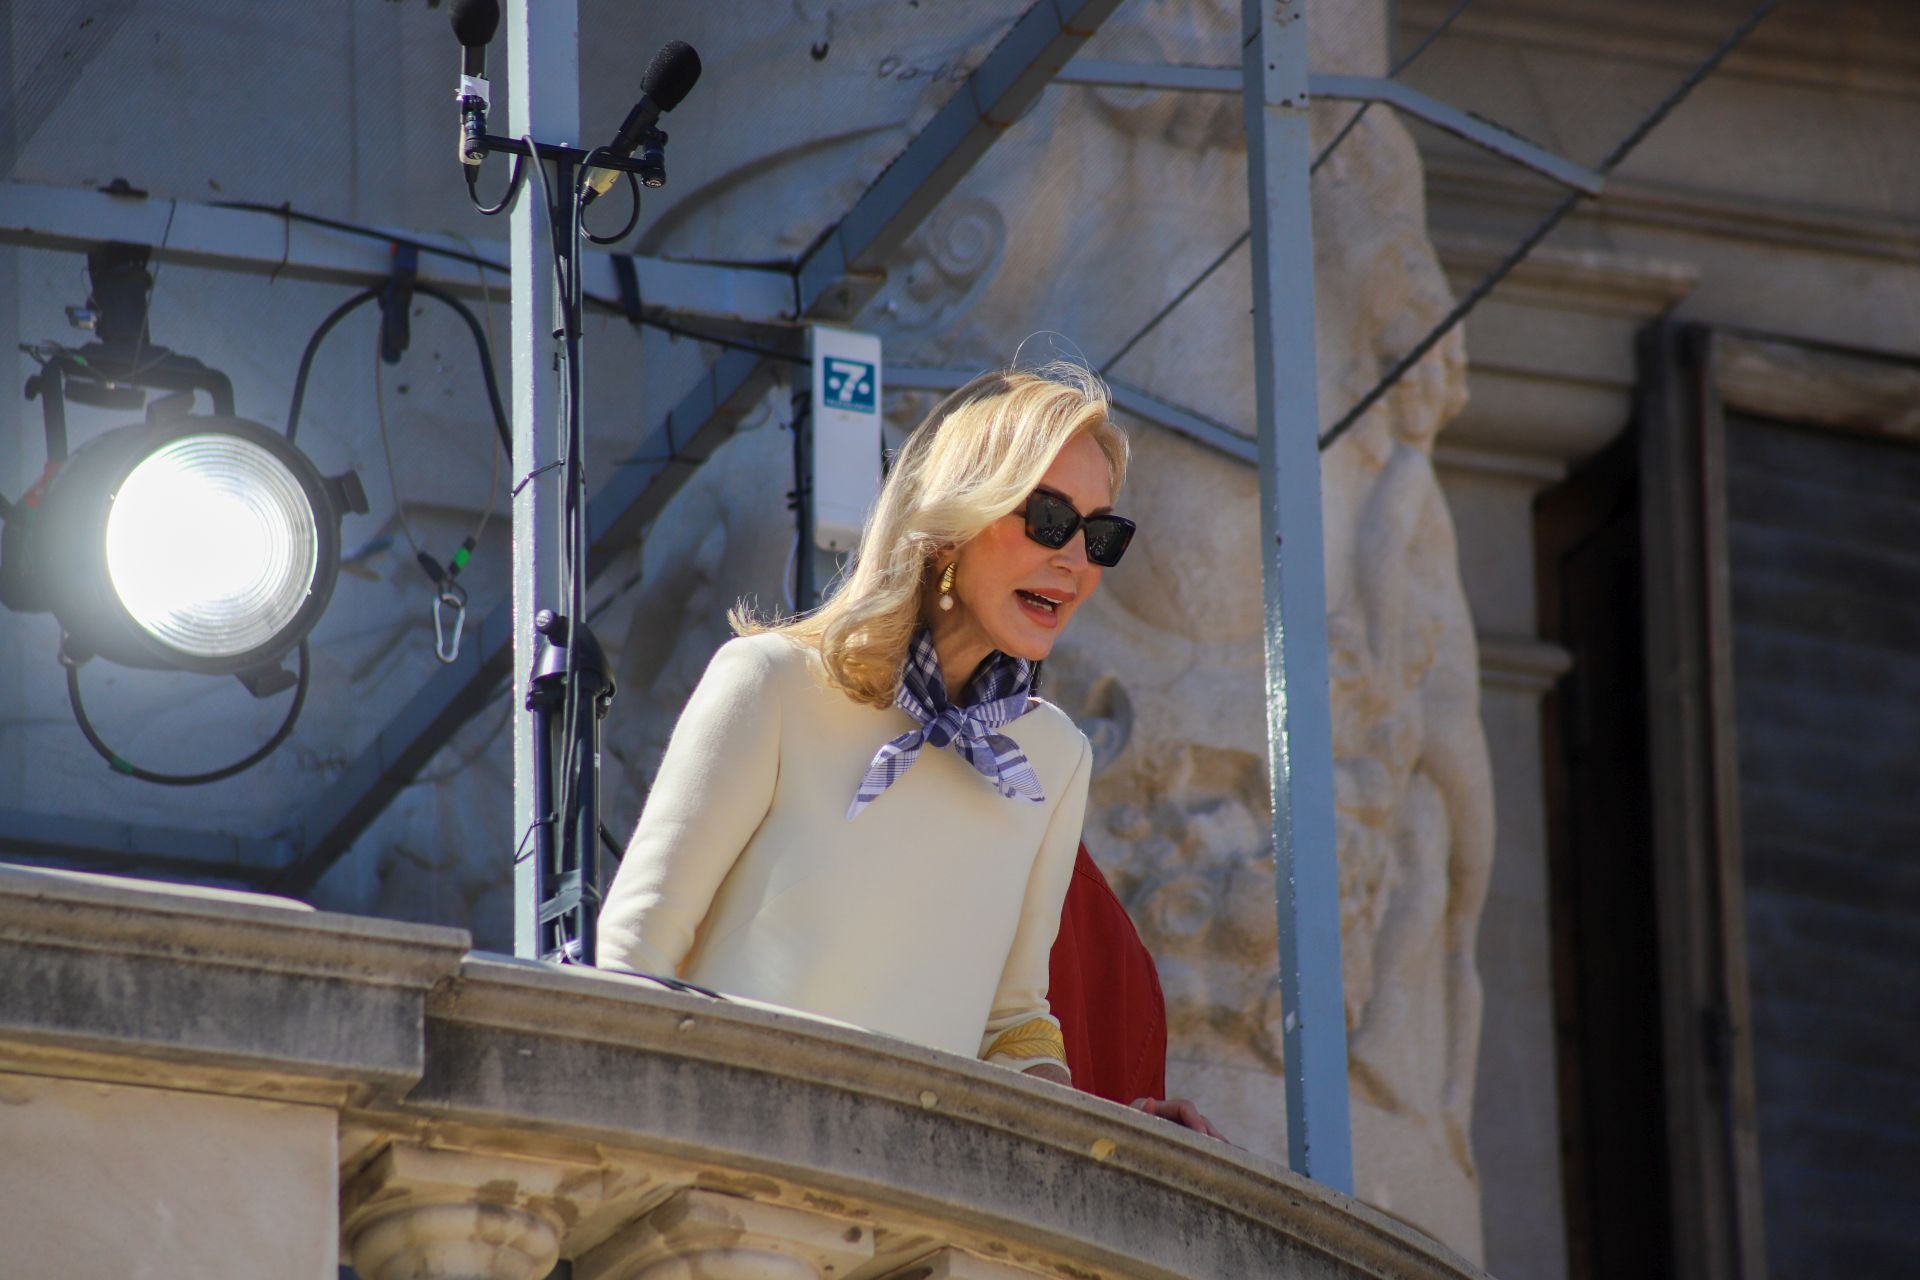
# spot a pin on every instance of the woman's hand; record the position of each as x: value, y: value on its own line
x: 1049, y: 1071
x: 1179, y: 1111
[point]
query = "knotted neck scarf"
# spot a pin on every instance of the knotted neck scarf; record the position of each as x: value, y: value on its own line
x: 1000, y: 695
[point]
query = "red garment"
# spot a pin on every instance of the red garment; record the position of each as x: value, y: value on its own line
x: 1106, y: 994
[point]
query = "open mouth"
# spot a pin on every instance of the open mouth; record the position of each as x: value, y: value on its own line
x: 1041, y: 608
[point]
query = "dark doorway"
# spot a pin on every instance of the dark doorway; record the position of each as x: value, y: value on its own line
x: 1601, y: 873
x: 1732, y: 769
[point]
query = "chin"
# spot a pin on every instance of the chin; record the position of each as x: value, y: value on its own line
x: 1029, y: 642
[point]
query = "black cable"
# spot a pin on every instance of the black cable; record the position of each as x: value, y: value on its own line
x: 573, y: 550
x: 608, y: 305
x: 121, y: 765
x: 575, y: 507
x: 632, y: 219
x: 334, y: 317
x: 339, y: 313
x: 488, y: 379
x: 513, y: 188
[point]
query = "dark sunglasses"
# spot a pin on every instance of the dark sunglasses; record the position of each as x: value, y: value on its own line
x: 1052, y: 521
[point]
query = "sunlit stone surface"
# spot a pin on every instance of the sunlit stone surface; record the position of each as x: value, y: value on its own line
x: 376, y: 1093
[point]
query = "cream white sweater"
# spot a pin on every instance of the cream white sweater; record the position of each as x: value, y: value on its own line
x: 930, y: 916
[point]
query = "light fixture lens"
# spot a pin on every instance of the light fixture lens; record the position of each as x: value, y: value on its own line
x: 212, y: 545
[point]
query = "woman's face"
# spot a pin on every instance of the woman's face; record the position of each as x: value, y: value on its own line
x: 1016, y: 595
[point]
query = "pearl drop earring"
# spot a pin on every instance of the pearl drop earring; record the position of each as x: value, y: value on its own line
x: 946, y: 586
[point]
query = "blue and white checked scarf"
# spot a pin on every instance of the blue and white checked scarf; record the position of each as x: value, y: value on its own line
x: 1001, y: 686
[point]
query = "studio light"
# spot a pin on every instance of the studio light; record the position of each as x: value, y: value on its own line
x: 191, y: 543
x: 212, y: 545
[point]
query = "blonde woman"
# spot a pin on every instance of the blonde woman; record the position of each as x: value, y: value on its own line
x: 864, y: 813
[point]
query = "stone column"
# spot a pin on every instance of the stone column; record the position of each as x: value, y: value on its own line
x: 416, y: 1214
x: 719, y: 1237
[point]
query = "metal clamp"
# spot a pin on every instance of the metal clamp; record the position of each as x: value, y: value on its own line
x: 452, y: 597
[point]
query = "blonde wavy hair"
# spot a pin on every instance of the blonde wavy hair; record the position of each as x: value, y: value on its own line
x: 972, y: 460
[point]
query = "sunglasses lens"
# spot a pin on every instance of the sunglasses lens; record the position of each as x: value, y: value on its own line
x: 1050, y: 520
x: 1107, y: 539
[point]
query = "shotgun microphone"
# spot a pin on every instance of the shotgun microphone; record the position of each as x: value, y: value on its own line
x: 670, y: 76
x: 474, y: 22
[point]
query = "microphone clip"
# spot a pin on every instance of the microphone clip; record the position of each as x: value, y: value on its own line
x: 475, y: 97
x: 652, y: 154
x: 648, y: 162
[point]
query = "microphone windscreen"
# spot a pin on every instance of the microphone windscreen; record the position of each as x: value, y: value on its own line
x: 671, y: 74
x: 475, y: 21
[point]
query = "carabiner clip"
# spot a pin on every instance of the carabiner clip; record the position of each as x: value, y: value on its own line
x: 453, y: 597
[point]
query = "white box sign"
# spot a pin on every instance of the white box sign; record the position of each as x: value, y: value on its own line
x: 846, y: 433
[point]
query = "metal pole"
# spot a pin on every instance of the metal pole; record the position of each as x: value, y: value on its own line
x: 543, y: 73
x: 1299, y: 710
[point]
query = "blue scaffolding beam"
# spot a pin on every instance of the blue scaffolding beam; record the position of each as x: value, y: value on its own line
x: 1299, y: 703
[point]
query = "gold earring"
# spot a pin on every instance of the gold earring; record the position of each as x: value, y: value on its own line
x: 946, y: 585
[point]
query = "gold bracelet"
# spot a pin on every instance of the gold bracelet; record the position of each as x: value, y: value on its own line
x: 1034, y: 1038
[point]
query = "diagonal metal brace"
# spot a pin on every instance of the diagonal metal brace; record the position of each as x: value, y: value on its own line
x: 844, y: 269
x: 1403, y: 98
x: 1469, y: 128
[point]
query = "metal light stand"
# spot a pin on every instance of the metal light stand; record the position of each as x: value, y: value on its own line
x: 567, y: 868
x: 569, y: 667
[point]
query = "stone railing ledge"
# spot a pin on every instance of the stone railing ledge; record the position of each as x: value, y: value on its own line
x: 800, y: 1111
x: 482, y: 1117
x: 220, y: 991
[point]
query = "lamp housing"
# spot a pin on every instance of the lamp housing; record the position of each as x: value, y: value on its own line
x: 195, y: 543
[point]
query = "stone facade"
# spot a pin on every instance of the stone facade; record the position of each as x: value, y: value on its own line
x: 1773, y: 200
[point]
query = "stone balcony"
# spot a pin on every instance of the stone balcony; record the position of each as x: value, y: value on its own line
x: 215, y: 1085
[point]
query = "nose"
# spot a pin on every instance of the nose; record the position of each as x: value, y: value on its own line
x: 1073, y: 553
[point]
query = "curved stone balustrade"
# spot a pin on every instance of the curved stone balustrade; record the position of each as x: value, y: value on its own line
x: 481, y: 1117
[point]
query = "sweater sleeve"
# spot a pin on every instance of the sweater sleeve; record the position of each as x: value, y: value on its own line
x: 714, y: 787
x: 1021, y: 1032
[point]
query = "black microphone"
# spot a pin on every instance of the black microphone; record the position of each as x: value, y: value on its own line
x: 670, y: 76
x: 474, y: 22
